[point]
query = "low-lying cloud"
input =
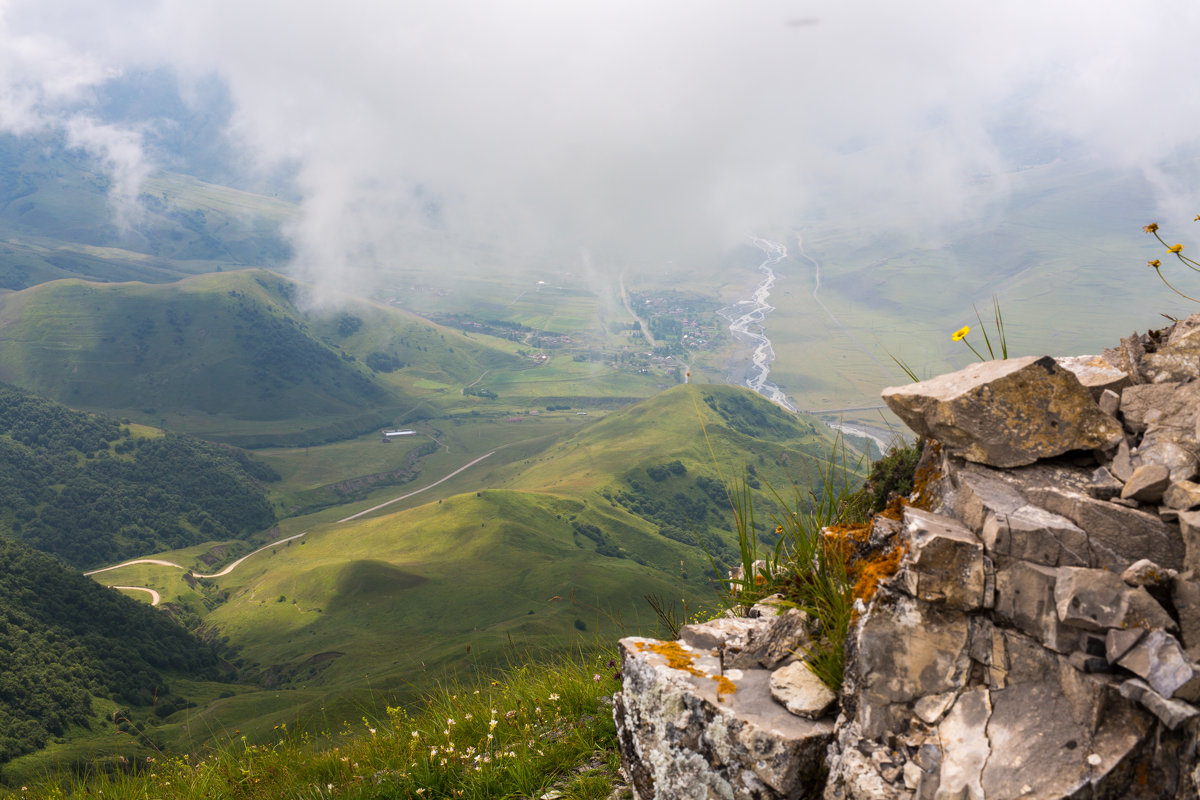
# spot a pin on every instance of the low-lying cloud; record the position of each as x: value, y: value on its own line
x: 472, y: 131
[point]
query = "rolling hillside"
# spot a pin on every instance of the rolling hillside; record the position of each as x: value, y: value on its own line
x: 549, y: 551
x: 57, y: 221
x: 230, y: 356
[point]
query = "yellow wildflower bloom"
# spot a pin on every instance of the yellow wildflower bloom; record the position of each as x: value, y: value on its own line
x: 1175, y: 248
x: 1155, y: 263
x: 778, y: 529
x: 1151, y: 228
x: 961, y: 333
x: 1197, y: 219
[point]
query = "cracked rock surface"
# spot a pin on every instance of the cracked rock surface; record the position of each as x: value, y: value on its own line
x: 1039, y: 637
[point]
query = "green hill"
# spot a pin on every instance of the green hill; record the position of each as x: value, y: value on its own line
x: 92, y: 492
x: 78, y: 656
x: 57, y: 221
x: 230, y: 356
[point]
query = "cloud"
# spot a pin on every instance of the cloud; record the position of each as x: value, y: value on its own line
x: 45, y: 87
x: 470, y: 131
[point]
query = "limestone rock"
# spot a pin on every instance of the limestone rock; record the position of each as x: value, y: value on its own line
x: 1011, y: 527
x: 768, y: 607
x: 1189, y: 529
x: 906, y: 649
x: 1096, y: 600
x: 1147, y: 483
x: 1006, y: 413
x: 1145, y: 572
x: 682, y: 733
x: 1095, y: 374
x: 1182, y: 495
x: 1118, y: 642
x: 1184, y: 330
x: 1092, y: 599
x: 1177, y: 359
x: 778, y: 639
x: 945, y: 561
x: 1127, y: 357
x: 1165, y: 414
x: 967, y: 727
x: 1109, y: 402
x: 929, y: 709
x: 1123, y: 464
x: 980, y: 492
x: 1159, y: 448
x: 1158, y: 658
x: 1145, y: 404
x: 1104, y: 485
x: 723, y: 634
x: 1117, y: 536
x: 1172, y: 713
x: 1036, y: 535
x: 801, y: 692
x: 1025, y: 597
x: 1039, y: 639
x: 1185, y: 596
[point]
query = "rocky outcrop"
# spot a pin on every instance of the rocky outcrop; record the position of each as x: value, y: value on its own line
x: 1036, y: 636
x: 1006, y: 413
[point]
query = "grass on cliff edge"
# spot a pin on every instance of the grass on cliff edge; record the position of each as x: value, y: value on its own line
x: 537, y: 728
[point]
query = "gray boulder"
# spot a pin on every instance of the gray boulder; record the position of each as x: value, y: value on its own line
x: 1006, y: 413
x: 1147, y: 483
x: 801, y: 692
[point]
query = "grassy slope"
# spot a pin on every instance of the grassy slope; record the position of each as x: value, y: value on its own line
x: 364, y: 612
x: 224, y: 355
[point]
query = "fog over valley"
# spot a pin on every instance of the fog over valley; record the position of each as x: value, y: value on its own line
x: 474, y: 133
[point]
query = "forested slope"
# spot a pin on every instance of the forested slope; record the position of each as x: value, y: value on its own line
x: 86, y: 489
x: 65, y: 638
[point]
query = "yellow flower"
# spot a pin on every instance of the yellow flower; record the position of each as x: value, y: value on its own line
x: 1151, y: 228
x: 1175, y: 248
x: 1155, y: 263
x: 778, y: 529
x: 961, y: 333
x: 1197, y: 219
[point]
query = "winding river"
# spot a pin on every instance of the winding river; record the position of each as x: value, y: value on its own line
x: 746, y: 318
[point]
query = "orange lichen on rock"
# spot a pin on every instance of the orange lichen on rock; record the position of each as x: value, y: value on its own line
x: 680, y: 659
x: 866, y: 565
x: 868, y: 573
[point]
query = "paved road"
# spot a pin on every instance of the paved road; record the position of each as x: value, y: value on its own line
x: 135, y: 561
x: 418, y: 491
x: 155, y: 598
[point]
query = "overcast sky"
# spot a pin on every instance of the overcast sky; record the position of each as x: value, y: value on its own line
x: 633, y: 130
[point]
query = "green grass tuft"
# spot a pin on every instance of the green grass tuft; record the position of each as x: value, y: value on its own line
x: 539, y: 727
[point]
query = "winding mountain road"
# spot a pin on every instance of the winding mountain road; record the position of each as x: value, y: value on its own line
x: 156, y: 598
